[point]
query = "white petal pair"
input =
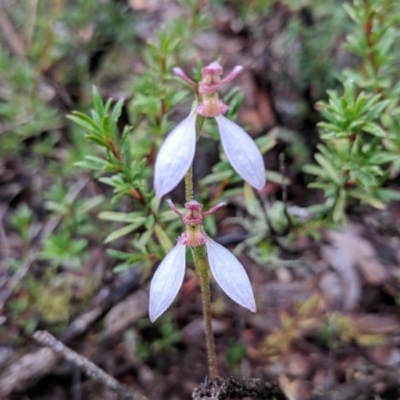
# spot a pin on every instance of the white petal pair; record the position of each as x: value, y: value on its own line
x: 177, y: 153
x: 226, y: 269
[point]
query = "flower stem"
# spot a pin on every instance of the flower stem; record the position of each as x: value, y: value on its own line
x: 189, y: 184
x: 203, y: 268
x: 189, y: 175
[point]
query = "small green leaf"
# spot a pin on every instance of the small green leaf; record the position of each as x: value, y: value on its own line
x: 382, y: 158
x: 163, y: 238
x: 329, y: 168
x: 250, y: 200
x: 122, y: 217
x: 368, y: 199
x: 148, y: 224
x: 125, y: 266
x: 276, y: 177
x: 106, y: 125
x: 92, y: 162
x: 351, y: 12
x: 365, y: 178
x: 313, y: 169
x: 266, y: 142
x: 83, y: 121
x: 374, y: 129
x: 97, y: 101
x: 210, y: 225
x: 338, y: 210
x: 91, y: 203
x: 116, y: 113
x: 319, y: 185
x: 144, y: 238
x: 119, y: 255
x: 122, y: 232
x: 388, y: 194
x: 97, y: 139
x: 217, y: 177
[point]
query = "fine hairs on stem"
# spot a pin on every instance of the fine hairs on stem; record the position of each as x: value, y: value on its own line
x: 202, y: 267
x: 189, y: 184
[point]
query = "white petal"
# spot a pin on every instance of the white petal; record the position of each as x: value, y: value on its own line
x: 175, y: 156
x: 230, y: 275
x: 242, y: 152
x: 166, y: 281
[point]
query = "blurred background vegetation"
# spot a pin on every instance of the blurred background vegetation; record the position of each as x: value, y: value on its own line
x: 86, y: 97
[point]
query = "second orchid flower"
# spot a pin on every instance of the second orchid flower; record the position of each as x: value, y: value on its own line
x: 177, y: 152
x: 225, y: 267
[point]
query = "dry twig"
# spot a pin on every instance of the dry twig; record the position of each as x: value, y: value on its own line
x: 27, y: 369
x: 86, y: 366
x: 10, y: 35
x: 33, y: 366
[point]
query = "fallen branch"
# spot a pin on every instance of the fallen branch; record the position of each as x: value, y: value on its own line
x: 28, y: 369
x: 230, y: 388
x: 33, y: 366
x: 86, y: 366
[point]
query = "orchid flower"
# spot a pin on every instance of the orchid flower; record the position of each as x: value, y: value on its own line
x: 226, y: 269
x: 177, y: 152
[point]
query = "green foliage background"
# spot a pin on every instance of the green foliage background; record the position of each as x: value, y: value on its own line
x: 114, y: 81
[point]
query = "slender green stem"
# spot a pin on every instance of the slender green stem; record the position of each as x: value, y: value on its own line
x: 189, y: 175
x: 203, y: 268
x: 189, y: 184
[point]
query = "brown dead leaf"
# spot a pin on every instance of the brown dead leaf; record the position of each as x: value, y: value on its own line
x: 341, y: 259
x: 265, y: 108
x: 251, y: 119
x: 348, y: 254
x: 126, y: 313
x: 322, y: 379
x: 331, y: 286
x: 298, y: 364
x: 194, y: 331
x: 388, y: 356
x: 362, y: 253
x: 294, y: 389
x: 377, y: 324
